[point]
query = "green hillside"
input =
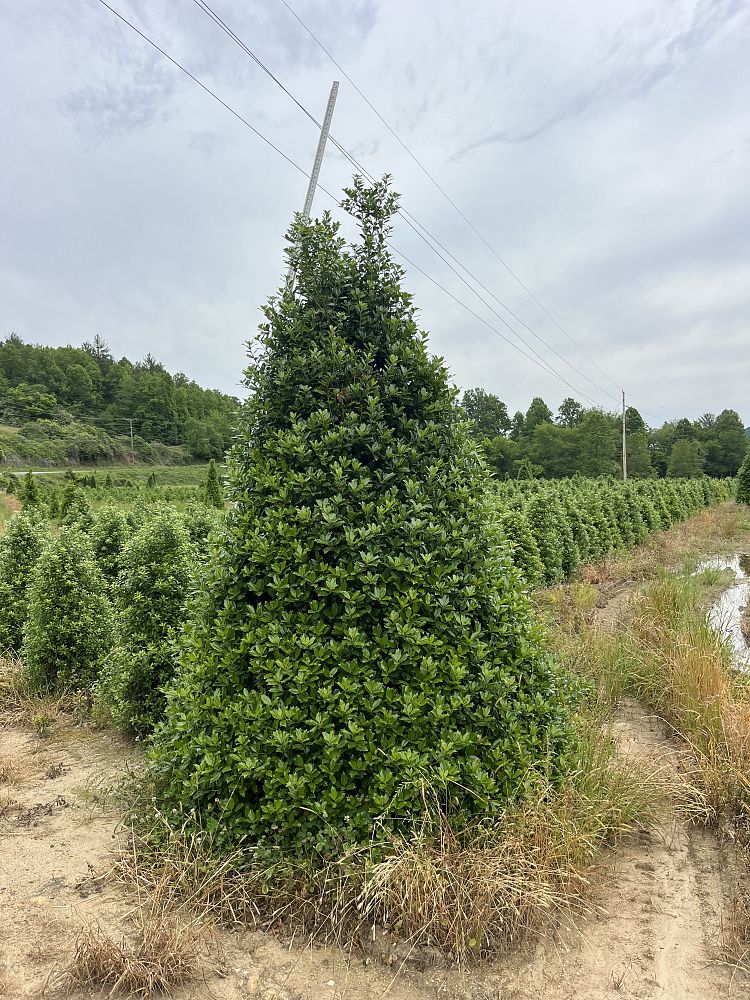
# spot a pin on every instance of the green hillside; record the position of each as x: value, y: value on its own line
x: 76, y: 405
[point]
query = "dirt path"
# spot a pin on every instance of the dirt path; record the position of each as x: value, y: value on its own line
x: 656, y: 932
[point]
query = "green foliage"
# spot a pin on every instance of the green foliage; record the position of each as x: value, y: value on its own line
x: 362, y: 635
x: 686, y: 459
x: 199, y: 521
x: 20, y: 548
x: 150, y: 595
x: 546, y: 529
x: 214, y: 492
x: 108, y: 534
x: 743, y: 481
x: 585, y: 520
x: 75, y: 507
x: 76, y: 404
x: 29, y: 493
x: 488, y: 414
x: 70, y: 627
x: 515, y: 528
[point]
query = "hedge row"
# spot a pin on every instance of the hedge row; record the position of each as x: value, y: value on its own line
x: 555, y: 526
x: 94, y: 605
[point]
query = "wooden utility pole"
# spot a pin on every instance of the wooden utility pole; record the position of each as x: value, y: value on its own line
x: 132, y: 449
x: 624, y: 442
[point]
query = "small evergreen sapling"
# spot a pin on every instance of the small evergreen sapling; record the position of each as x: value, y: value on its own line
x: 214, y: 495
x: 70, y: 625
x: 150, y: 595
x: 743, y: 481
x: 109, y: 533
x: 20, y: 548
x: 29, y: 494
x: 525, y: 551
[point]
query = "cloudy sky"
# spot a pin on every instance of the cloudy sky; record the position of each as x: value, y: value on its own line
x: 602, y: 149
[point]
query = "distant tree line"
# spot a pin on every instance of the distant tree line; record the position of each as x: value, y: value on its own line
x: 589, y: 441
x: 83, y: 395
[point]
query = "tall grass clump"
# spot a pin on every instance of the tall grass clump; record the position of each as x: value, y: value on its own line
x: 361, y: 632
x: 477, y: 891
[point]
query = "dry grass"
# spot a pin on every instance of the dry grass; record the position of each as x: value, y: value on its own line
x: 10, y: 770
x: 479, y: 892
x: 736, y: 928
x: 19, y: 705
x: 184, y: 873
x: 468, y: 893
x: 164, y: 953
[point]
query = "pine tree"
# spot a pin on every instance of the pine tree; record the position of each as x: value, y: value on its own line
x: 360, y: 636
x: 20, y: 548
x: 70, y: 625
x: 743, y: 481
x: 214, y: 495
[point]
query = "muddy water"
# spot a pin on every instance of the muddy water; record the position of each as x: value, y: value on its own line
x: 725, y: 614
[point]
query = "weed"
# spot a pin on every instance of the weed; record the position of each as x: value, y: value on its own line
x: 42, y: 724
x: 165, y: 953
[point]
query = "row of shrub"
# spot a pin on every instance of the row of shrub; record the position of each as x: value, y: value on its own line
x: 92, y: 605
x: 555, y: 526
x: 55, y: 497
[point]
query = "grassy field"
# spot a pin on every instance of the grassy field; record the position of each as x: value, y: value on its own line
x: 166, y: 475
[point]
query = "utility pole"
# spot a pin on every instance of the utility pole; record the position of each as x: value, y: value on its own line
x: 132, y: 449
x: 624, y: 442
x: 317, y: 163
x: 320, y: 150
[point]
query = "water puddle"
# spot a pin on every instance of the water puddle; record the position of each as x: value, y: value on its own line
x: 725, y: 614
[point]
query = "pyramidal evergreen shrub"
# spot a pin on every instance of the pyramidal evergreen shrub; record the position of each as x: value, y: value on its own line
x: 360, y: 642
x: 742, y: 493
x: 546, y: 529
x: 149, y: 595
x: 20, y: 548
x: 525, y: 551
x: 214, y: 494
x: 109, y: 534
x: 70, y: 625
x: 29, y: 493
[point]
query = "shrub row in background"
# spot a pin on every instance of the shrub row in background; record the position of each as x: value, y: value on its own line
x: 91, y: 604
x: 554, y: 526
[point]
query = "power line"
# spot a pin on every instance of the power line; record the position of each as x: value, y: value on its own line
x: 541, y: 363
x: 421, y: 231
x: 445, y: 194
x: 203, y: 86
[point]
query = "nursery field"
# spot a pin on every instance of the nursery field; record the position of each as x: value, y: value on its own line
x: 166, y: 475
x: 352, y: 717
x: 642, y: 886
